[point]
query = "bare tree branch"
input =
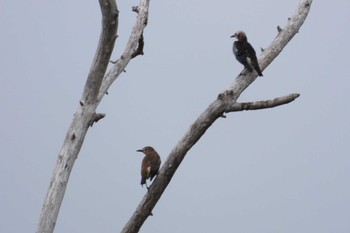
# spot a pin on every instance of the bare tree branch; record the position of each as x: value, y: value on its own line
x: 104, y: 50
x: 95, y: 118
x: 95, y: 88
x: 139, y: 50
x: 235, y: 107
x: 83, y: 118
x: 133, y: 43
x: 269, y: 54
x: 215, y: 110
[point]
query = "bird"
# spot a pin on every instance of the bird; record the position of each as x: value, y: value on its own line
x: 245, y: 53
x: 150, y: 164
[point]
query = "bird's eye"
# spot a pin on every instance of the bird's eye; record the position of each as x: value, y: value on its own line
x: 146, y: 149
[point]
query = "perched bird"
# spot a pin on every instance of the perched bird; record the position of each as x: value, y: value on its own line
x: 245, y: 53
x: 150, y: 164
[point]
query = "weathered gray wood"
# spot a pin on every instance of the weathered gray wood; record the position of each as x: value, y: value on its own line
x: 216, y: 109
x: 81, y: 121
x: 95, y: 87
x: 235, y: 107
x: 131, y: 47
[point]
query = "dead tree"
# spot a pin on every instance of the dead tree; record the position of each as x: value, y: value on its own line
x: 98, y: 83
x: 96, y: 87
x: 225, y: 103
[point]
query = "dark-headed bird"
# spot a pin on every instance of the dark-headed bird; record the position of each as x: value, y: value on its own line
x: 245, y: 53
x: 150, y: 164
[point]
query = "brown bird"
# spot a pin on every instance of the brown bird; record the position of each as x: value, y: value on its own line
x: 150, y: 164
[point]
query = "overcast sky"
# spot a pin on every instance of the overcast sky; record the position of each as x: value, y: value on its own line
x: 277, y: 170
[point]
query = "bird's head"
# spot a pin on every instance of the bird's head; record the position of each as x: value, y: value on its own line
x: 146, y: 149
x: 240, y: 36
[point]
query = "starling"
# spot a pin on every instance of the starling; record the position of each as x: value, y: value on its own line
x: 245, y: 53
x: 150, y: 164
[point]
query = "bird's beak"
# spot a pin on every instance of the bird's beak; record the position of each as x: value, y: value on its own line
x: 140, y: 150
x: 232, y: 36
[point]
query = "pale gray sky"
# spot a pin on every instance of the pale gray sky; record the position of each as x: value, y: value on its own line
x: 285, y: 169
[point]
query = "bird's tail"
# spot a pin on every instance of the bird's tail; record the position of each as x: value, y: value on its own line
x: 257, y: 68
x: 143, y: 180
x: 259, y: 73
x: 248, y: 67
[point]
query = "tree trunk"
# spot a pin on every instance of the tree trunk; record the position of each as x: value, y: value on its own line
x: 96, y: 87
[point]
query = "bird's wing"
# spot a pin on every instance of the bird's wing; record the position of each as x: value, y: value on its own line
x: 155, y: 163
x: 146, y: 164
x: 252, y: 55
x: 248, y: 48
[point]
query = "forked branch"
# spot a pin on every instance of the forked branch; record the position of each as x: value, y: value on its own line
x: 83, y: 118
x: 133, y: 48
x: 225, y: 103
x: 95, y: 88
